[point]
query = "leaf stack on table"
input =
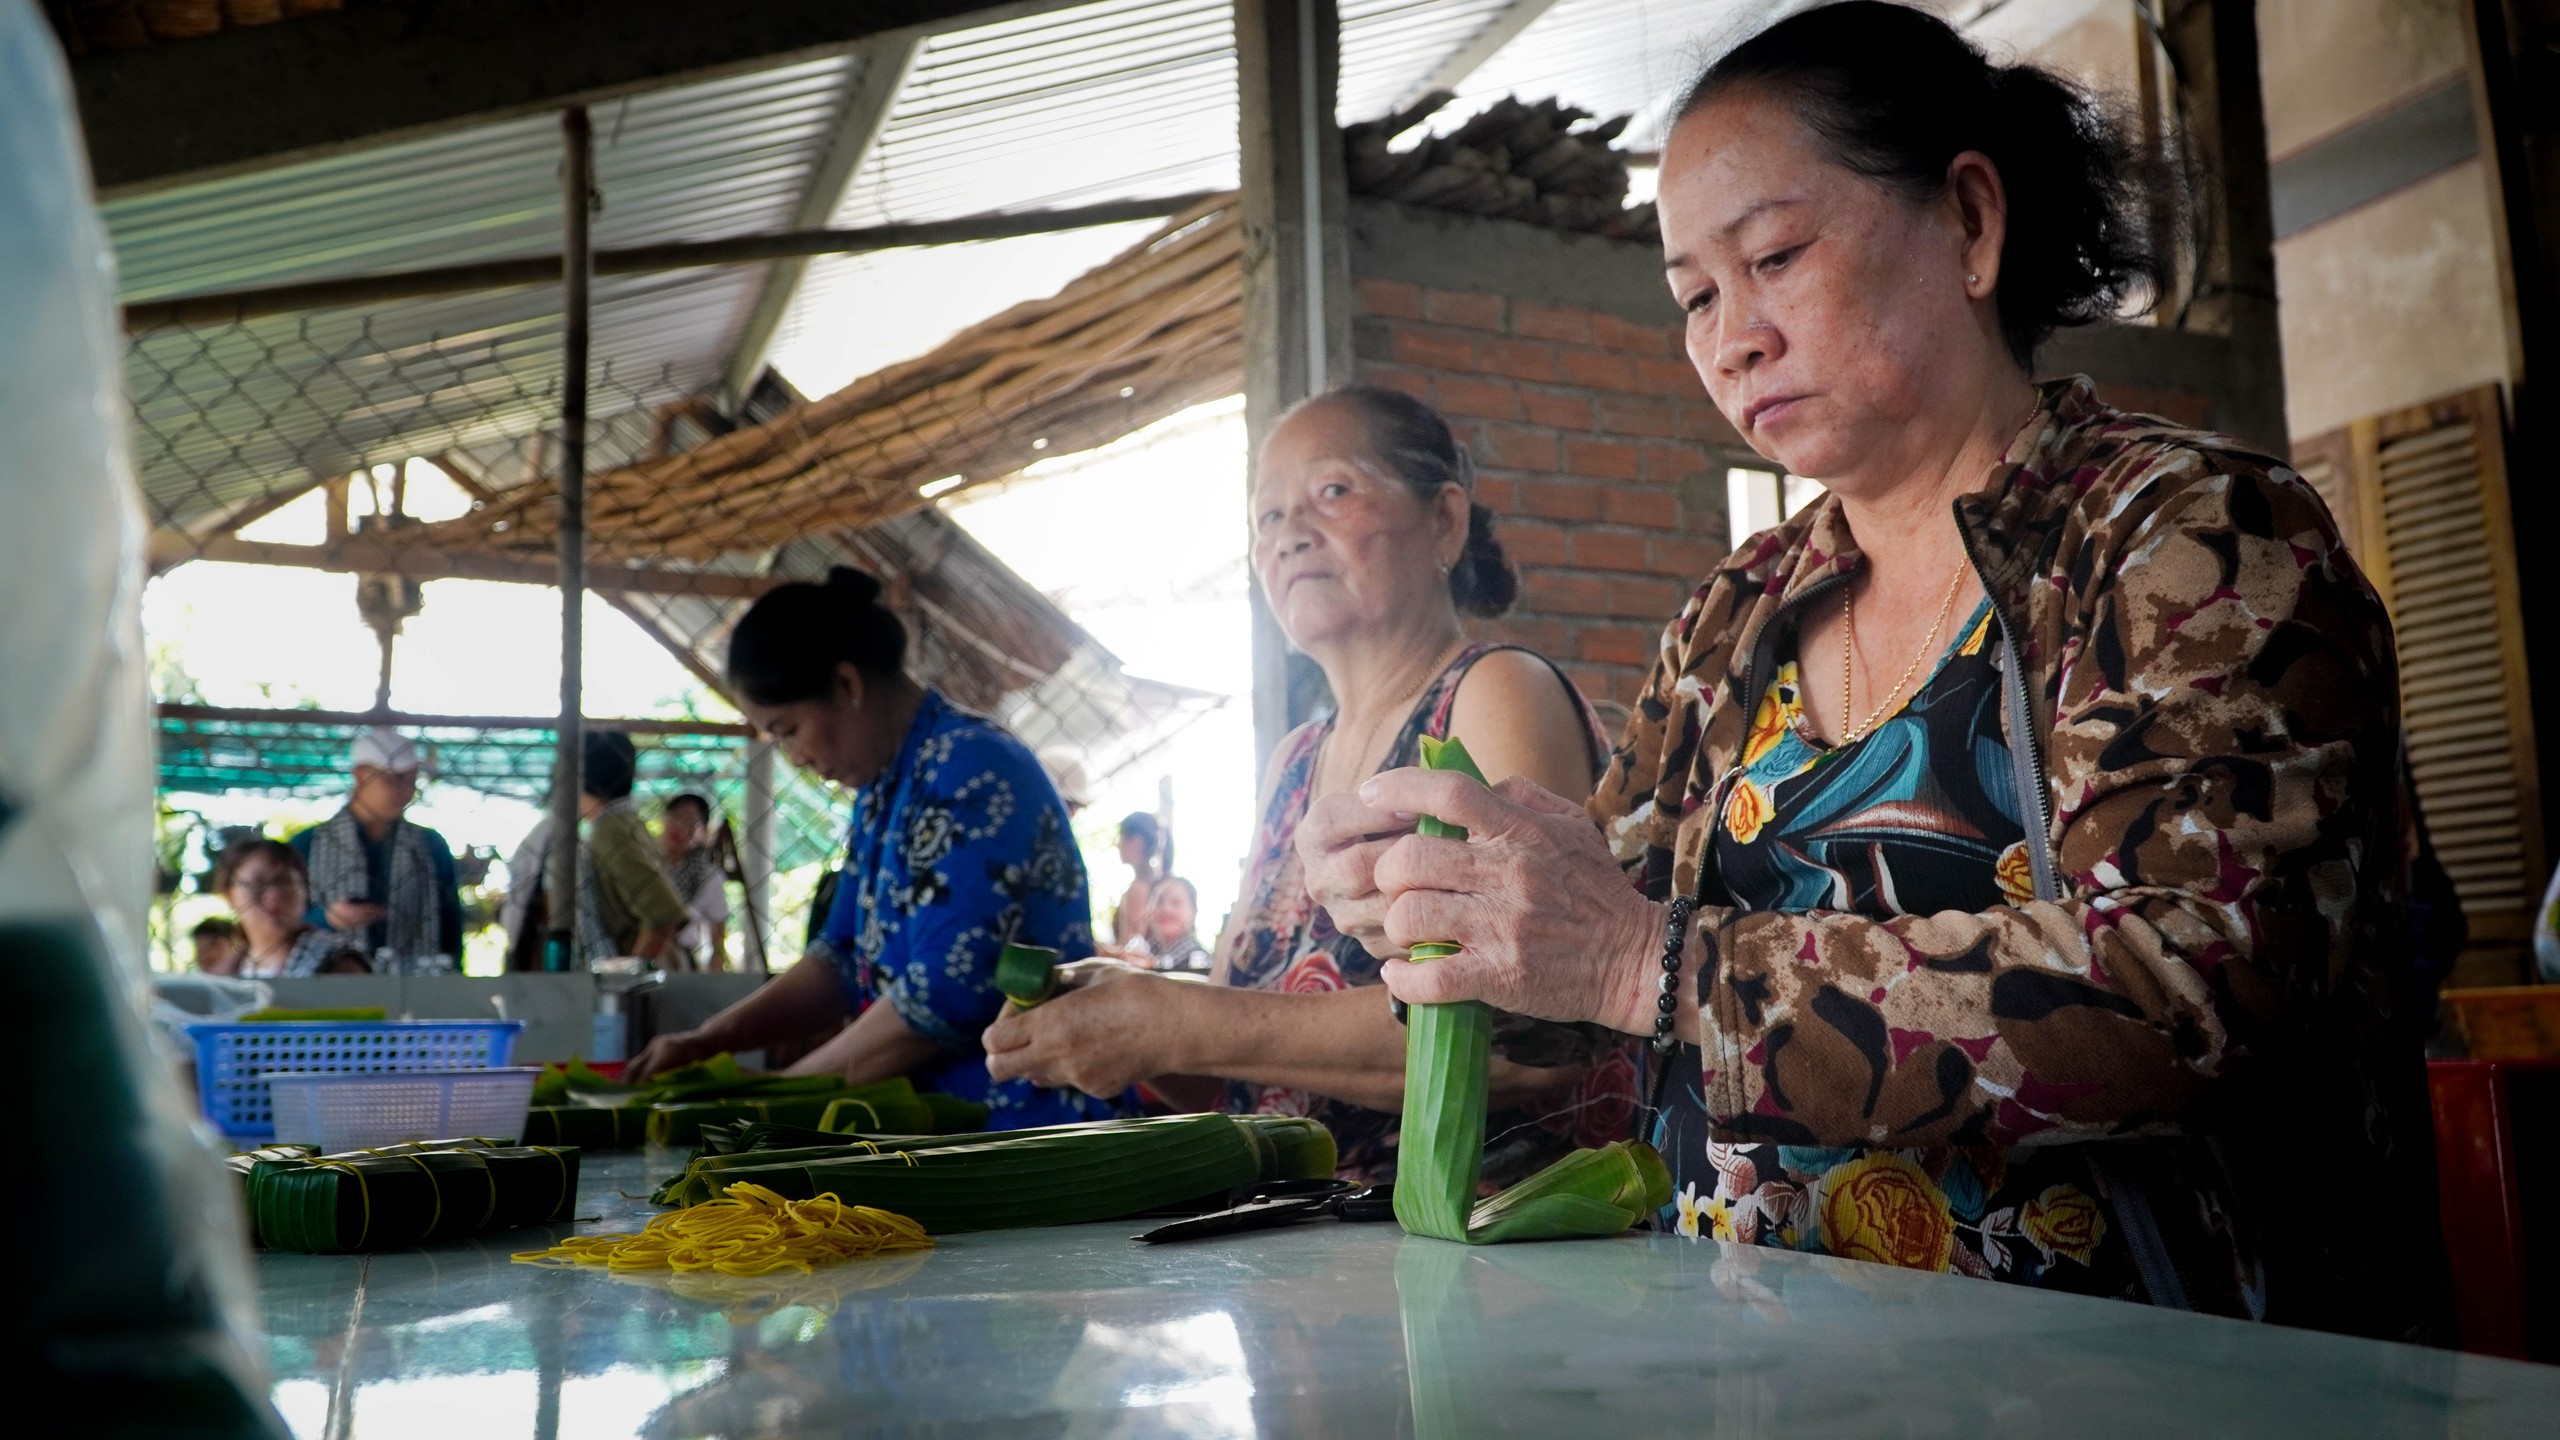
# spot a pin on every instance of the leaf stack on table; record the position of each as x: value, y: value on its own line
x: 1540, y: 163
x: 574, y: 1105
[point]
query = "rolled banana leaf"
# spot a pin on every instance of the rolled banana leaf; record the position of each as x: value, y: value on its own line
x: 1440, y: 1151
x: 372, y: 1202
x: 1448, y: 1056
x: 1060, y: 1175
x: 1027, y: 974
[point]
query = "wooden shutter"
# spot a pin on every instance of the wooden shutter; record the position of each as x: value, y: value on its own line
x: 2328, y: 462
x: 2421, y: 494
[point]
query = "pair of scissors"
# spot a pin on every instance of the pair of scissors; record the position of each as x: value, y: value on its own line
x: 1284, y: 1202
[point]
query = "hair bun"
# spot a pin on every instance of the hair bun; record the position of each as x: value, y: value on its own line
x: 860, y: 586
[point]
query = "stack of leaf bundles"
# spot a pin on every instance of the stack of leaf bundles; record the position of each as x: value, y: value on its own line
x: 1013, y: 1179
x: 403, y: 1195
x: 576, y: 1106
x: 1440, y: 1150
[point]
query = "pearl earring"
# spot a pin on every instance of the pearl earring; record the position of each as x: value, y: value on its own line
x: 1973, y: 279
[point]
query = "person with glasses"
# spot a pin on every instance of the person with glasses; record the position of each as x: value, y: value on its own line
x: 270, y: 892
x: 378, y: 877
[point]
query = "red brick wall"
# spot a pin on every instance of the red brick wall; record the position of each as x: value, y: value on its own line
x: 1594, y: 444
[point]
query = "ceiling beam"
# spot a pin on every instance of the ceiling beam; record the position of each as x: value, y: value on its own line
x: 390, y: 555
x: 874, y: 77
x: 247, y: 99
x: 231, y: 306
x: 1480, y: 47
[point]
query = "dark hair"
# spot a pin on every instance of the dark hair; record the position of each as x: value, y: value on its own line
x: 607, y: 764
x: 788, y: 644
x: 217, y: 927
x: 1415, y: 443
x: 700, y: 806
x: 1140, y: 823
x: 1187, y: 887
x: 1897, y: 94
x: 241, y: 852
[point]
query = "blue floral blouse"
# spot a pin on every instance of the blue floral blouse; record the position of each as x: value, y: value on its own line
x: 961, y: 844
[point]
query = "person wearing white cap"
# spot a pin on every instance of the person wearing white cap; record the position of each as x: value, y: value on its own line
x: 376, y: 875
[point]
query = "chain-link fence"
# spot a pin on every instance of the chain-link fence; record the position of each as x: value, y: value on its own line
x: 414, y: 442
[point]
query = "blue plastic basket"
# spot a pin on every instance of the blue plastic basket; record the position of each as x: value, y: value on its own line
x: 232, y: 1061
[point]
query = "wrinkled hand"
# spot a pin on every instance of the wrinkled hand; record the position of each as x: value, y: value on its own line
x: 668, y: 1052
x: 1547, y: 922
x: 1340, y: 840
x: 353, y: 916
x: 1101, y: 1036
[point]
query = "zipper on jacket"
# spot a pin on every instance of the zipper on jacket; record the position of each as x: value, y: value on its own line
x: 2026, y: 763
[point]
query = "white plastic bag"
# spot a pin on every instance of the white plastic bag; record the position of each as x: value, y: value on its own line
x: 127, y: 1305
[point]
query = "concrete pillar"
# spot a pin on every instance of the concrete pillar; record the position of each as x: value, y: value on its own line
x: 2215, y: 43
x: 1297, y: 272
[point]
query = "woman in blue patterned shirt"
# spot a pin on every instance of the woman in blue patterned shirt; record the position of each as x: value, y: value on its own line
x: 959, y: 843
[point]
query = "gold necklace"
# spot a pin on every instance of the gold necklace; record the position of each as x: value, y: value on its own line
x: 1399, y: 707
x: 1849, y: 672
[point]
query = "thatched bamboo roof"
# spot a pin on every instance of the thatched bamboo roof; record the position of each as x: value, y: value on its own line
x: 1133, y: 341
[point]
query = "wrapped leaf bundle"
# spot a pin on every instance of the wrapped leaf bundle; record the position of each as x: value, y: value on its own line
x: 682, y: 1124
x: 1062, y: 1175
x: 373, y: 1201
x: 889, y: 1106
x: 1440, y: 1150
x: 587, y: 1127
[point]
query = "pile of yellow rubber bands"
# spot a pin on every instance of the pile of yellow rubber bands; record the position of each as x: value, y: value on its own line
x: 750, y: 1230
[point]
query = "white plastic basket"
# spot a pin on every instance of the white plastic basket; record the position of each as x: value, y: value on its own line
x: 338, y: 1111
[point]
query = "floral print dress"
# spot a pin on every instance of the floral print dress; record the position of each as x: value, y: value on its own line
x: 1281, y: 939
x: 959, y: 846
x: 1919, y: 816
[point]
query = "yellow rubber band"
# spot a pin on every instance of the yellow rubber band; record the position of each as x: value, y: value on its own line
x: 748, y: 1231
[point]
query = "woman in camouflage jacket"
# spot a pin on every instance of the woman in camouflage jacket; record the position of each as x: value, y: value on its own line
x: 2080, y: 962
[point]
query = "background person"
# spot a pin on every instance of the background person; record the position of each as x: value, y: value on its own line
x: 958, y: 844
x: 638, y: 909
x: 1142, y: 850
x: 1170, y: 942
x: 379, y: 878
x: 1370, y: 547
x: 216, y: 942
x: 270, y: 892
x: 2031, y: 800
x: 684, y: 832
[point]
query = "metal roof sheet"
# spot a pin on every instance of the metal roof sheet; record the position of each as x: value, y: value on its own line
x: 228, y: 413
x: 1607, y: 56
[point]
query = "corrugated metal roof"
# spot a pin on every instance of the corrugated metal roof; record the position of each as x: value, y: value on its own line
x: 1390, y: 46
x: 1607, y: 56
x: 1116, y: 98
x: 1120, y: 98
x: 227, y: 413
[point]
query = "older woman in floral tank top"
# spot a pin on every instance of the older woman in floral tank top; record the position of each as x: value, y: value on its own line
x: 1369, y: 546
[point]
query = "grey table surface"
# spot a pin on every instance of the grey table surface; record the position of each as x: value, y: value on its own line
x: 1330, y: 1329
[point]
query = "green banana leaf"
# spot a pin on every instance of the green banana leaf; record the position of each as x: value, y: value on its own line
x: 1440, y: 1148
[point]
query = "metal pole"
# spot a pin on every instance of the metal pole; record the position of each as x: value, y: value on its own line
x: 759, y: 851
x: 560, y: 876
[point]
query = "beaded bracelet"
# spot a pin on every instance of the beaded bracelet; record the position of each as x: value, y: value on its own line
x: 1675, y: 938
